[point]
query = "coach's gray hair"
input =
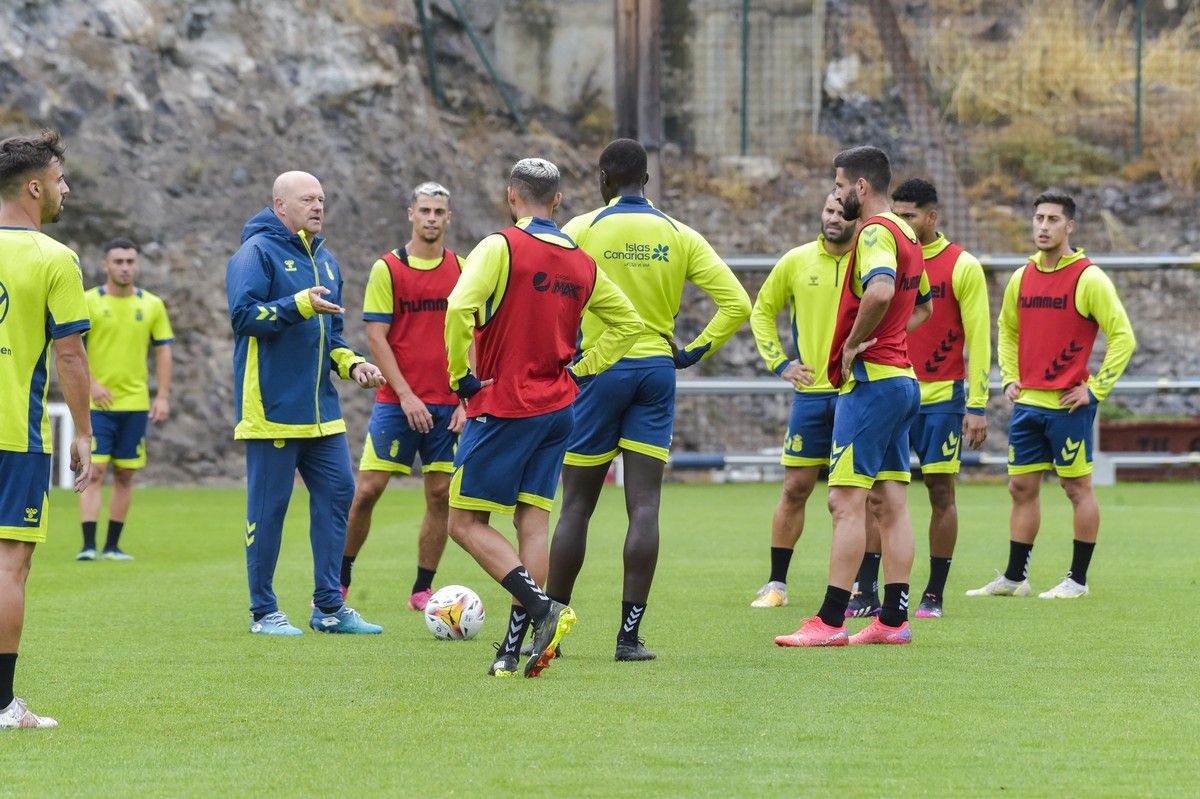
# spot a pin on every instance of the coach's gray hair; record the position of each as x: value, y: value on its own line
x: 535, y: 180
x: 430, y: 189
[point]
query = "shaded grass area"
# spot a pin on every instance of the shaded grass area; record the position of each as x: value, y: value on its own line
x: 161, y: 692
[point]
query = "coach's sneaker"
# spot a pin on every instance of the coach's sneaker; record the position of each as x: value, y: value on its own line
x: 771, y: 595
x: 930, y: 608
x: 274, y: 624
x: 879, y: 633
x: 18, y: 717
x: 814, y: 633
x: 346, y: 620
x: 1002, y: 586
x: 505, y: 665
x: 1067, y: 589
x: 115, y: 554
x: 419, y: 599
x: 86, y: 554
x: 633, y: 650
x: 547, y: 634
x: 862, y: 605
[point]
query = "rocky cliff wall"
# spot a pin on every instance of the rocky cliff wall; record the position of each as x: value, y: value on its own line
x: 178, y: 115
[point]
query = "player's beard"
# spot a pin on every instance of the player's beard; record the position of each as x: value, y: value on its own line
x: 844, y: 236
x: 851, y: 206
x: 51, y: 211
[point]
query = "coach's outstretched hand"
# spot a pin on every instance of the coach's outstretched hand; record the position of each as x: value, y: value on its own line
x: 367, y: 375
x: 320, y: 305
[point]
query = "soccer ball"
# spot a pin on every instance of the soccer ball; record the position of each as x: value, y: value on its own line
x: 454, y: 613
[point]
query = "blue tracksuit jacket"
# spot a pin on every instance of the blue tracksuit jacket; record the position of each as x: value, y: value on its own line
x: 283, y: 351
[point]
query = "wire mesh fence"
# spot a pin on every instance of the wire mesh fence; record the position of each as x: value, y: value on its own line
x: 1044, y: 91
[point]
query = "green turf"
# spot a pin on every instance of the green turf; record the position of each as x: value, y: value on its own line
x: 161, y: 692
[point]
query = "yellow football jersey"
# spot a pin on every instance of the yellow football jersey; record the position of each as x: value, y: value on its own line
x: 41, y: 298
x: 123, y: 328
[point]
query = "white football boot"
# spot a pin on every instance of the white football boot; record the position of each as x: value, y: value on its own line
x: 18, y: 717
x: 1002, y: 586
x: 1067, y: 589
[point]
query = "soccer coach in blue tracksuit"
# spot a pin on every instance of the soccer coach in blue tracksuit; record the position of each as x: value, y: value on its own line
x: 285, y: 289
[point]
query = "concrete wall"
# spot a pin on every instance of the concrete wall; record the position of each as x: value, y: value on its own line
x: 558, y: 51
x: 562, y: 51
x: 780, y: 72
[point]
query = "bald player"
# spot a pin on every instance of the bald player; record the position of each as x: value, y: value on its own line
x: 285, y: 288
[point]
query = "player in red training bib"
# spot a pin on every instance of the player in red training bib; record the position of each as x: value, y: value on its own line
x: 415, y: 412
x: 1052, y: 310
x: 885, y: 294
x: 952, y: 357
x: 525, y: 290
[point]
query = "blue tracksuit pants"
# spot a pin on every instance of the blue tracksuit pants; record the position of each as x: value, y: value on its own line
x: 324, y: 465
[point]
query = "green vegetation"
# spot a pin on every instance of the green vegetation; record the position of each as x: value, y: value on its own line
x: 161, y: 691
x: 1023, y: 152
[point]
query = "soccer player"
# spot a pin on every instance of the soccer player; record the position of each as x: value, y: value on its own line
x: 41, y: 301
x: 284, y: 286
x: 1053, y: 308
x: 126, y: 321
x: 415, y: 411
x: 808, y: 279
x: 885, y: 294
x: 950, y: 413
x: 525, y: 290
x: 631, y: 408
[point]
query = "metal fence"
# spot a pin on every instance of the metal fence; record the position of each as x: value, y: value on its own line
x: 987, y: 99
x: 1118, y: 79
x: 742, y: 76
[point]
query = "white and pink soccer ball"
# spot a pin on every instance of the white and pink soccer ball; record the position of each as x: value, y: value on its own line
x: 454, y: 613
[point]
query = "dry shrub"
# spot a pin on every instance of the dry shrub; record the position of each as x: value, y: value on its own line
x: 814, y: 149
x: 1068, y: 68
x: 377, y: 13
x: 1171, y: 139
x: 997, y: 187
x: 1055, y: 62
x: 1000, y: 228
x: 728, y: 186
x: 1028, y: 151
x: 739, y: 194
x: 859, y: 37
x: 1141, y: 170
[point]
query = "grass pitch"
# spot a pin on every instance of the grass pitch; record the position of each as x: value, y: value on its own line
x: 161, y: 692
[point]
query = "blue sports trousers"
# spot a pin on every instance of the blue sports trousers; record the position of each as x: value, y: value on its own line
x: 324, y: 465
